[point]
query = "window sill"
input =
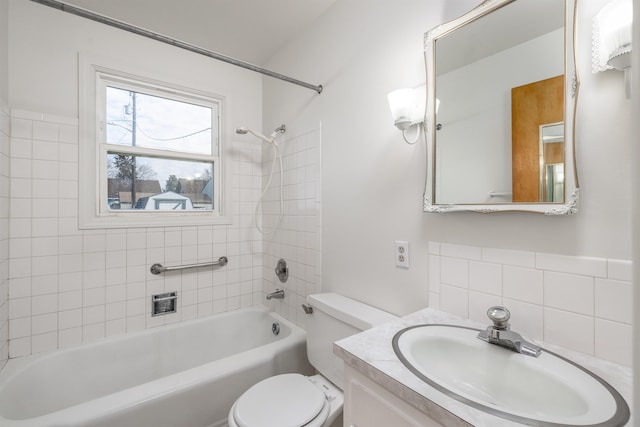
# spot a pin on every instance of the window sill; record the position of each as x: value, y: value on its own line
x: 142, y: 220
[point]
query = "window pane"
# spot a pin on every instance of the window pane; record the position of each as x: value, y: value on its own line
x: 142, y: 120
x: 152, y: 184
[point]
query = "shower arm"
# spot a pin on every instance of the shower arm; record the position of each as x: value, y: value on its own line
x: 173, y: 42
x: 258, y: 135
x: 271, y: 140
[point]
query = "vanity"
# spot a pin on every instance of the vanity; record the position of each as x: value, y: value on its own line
x: 381, y: 391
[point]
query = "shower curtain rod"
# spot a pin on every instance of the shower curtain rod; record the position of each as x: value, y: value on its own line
x: 173, y: 42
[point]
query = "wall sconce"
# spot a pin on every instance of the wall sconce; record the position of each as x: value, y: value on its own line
x: 612, y: 34
x: 408, y: 108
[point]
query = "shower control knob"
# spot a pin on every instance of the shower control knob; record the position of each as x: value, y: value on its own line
x: 282, y: 271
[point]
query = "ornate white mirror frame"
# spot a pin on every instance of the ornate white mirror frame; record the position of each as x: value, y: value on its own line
x: 569, y: 206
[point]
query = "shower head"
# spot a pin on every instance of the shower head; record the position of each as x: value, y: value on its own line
x: 242, y: 131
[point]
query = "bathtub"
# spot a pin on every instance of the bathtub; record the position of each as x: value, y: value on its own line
x: 183, y: 375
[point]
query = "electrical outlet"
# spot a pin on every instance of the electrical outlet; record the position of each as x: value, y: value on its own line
x: 402, y: 253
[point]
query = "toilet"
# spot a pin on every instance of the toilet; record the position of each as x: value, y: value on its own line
x: 294, y: 400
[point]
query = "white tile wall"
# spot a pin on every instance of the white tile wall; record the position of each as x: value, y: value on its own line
x: 68, y: 286
x: 580, y: 303
x: 4, y: 232
x: 297, y: 239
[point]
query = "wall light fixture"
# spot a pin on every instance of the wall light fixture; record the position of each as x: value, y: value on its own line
x: 612, y: 34
x: 408, y: 108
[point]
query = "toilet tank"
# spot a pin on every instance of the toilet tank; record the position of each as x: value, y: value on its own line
x: 335, y: 317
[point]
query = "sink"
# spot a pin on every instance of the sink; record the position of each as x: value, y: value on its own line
x: 544, y: 391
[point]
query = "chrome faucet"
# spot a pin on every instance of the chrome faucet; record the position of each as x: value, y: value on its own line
x: 278, y: 294
x: 501, y: 334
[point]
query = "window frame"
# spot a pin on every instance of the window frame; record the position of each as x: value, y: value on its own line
x: 92, y: 181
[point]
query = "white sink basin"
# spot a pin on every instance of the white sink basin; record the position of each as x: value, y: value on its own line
x: 545, y: 391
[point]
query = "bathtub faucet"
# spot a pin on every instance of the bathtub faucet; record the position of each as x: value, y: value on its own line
x: 278, y: 294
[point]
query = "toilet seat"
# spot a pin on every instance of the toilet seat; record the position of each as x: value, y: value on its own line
x: 288, y: 400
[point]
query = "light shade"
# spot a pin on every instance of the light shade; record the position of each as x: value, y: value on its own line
x: 612, y: 34
x: 407, y: 106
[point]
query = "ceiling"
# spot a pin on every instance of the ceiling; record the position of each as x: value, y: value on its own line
x: 249, y: 30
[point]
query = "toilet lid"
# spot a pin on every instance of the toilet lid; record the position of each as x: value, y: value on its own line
x: 288, y: 400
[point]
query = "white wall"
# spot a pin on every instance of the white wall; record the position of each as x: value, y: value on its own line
x: 4, y: 181
x: 44, y: 76
x: 372, y: 182
x: 69, y: 286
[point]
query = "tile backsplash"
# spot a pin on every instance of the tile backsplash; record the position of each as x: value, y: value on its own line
x: 69, y: 286
x: 580, y: 303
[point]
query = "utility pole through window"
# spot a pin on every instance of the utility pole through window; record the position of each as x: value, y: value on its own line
x: 133, y: 144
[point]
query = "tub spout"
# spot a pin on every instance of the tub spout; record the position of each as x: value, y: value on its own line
x: 278, y: 294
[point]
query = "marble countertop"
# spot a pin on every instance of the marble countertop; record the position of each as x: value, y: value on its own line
x: 371, y: 353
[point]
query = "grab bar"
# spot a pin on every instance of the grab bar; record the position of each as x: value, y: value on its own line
x: 158, y: 268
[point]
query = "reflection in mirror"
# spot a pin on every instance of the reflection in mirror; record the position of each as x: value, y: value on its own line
x: 551, y: 163
x: 502, y: 135
x: 532, y: 106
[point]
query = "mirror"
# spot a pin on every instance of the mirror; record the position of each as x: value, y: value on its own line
x: 501, y: 98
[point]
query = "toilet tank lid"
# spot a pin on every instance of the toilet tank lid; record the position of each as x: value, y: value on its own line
x: 355, y: 313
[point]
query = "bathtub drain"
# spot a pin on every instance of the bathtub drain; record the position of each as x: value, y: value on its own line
x: 275, y: 328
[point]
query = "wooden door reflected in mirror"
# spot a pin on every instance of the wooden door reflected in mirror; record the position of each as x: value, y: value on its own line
x: 534, y: 106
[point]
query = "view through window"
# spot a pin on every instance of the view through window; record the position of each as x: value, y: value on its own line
x: 161, y: 151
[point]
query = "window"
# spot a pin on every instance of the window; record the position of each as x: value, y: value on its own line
x: 154, y: 149
x: 158, y: 147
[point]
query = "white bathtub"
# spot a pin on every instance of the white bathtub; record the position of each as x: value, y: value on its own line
x: 183, y: 375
